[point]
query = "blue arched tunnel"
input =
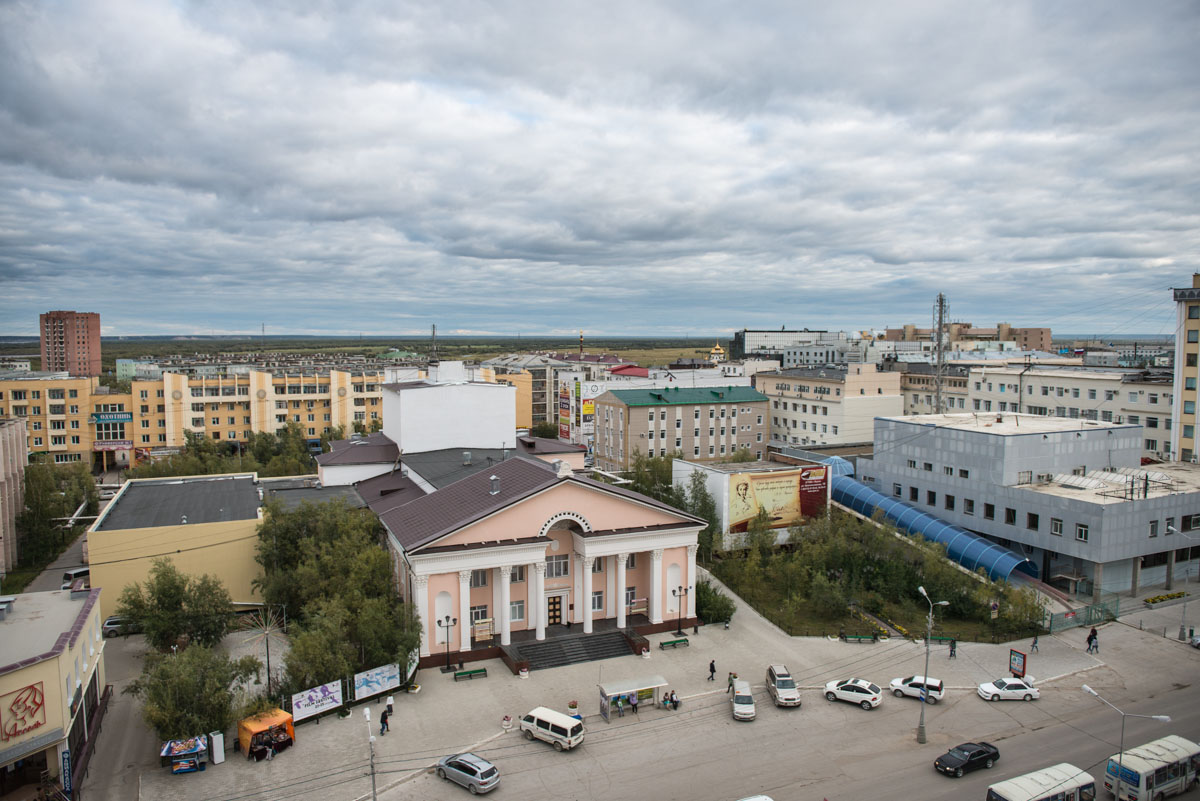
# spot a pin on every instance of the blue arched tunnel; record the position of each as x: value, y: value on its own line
x: 968, y: 549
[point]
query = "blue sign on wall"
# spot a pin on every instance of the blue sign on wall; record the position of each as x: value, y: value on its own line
x: 112, y: 417
x: 66, y: 773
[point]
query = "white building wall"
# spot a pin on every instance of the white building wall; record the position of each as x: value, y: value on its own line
x: 451, y: 415
x: 342, y: 475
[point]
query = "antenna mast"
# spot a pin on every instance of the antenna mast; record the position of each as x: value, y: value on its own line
x: 939, y: 370
x: 434, y: 357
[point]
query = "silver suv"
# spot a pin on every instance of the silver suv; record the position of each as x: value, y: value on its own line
x: 782, y: 686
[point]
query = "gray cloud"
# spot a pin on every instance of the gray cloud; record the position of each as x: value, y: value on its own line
x: 622, y: 167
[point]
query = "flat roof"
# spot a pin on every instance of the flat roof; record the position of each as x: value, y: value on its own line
x: 676, y: 396
x: 746, y: 467
x: 149, y: 503
x: 41, y: 624
x: 1006, y: 423
x: 292, y: 492
x: 1121, y: 484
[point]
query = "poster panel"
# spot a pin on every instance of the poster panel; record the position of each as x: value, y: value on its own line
x: 316, y: 700
x: 786, y: 495
x: 376, y: 680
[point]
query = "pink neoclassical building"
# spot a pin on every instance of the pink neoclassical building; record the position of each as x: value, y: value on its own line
x: 527, y: 550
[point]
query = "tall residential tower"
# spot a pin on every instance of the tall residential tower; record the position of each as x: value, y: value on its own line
x: 70, y: 342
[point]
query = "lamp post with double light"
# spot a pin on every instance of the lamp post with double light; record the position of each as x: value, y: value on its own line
x: 1183, y: 615
x: 371, y: 740
x: 445, y: 624
x: 1121, y: 751
x: 928, y: 634
x: 679, y: 593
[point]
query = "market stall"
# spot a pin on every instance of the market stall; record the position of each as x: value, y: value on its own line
x: 185, y: 756
x: 265, y: 735
x: 644, y: 687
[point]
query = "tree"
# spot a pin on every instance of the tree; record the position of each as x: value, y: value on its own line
x: 51, y: 491
x: 760, y: 537
x: 191, y: 692
x: 172, y: 604
x: 545, y: 429
x: 320, y: 651
x: 712, y: 605
x: 701, y: 503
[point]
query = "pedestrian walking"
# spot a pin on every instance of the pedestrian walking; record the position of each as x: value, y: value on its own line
x: 953, y: 648
x: 729, y: 687
x: 633, y: 701
x: 1033, y: 648
x: 1093, y: 642
x: 383, y: 722
x: 712, y: 670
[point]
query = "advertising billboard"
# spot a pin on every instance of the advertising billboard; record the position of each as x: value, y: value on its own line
x: 786, y: 495
x: 375, y: 681
x: 317, y: 700
x: 564, y: 412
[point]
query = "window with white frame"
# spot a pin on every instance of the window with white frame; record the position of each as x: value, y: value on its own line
x: 516, y: 610
x: 630, y: 595
x: 1081, y: 532
x: 478, y: 613
x: 1056, y: 526
x: 631, y: 562
x: 598, y: 600
x: 598, y: 565
x: 479, y: 578
x: 557, y: 566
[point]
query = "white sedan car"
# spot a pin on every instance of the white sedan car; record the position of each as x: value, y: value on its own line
x: 1009, y: 690
x: 856, y: 691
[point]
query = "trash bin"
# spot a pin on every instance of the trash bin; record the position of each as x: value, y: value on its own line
x: 216, y: 750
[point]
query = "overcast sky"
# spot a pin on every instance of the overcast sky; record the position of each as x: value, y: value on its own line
x: 624, y: 168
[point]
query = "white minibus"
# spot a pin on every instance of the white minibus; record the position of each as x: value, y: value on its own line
x: 1159, y: 769
x: 1061, y: 782
x: 561, y: 731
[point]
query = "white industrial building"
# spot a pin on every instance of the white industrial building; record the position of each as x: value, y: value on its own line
x: 1068, y: 494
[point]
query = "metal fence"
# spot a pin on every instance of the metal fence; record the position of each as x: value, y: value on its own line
x: 1109, y: 608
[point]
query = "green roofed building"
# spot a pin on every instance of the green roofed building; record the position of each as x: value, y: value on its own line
x: 699, y: 423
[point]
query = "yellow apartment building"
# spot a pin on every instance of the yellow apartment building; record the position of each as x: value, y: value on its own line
x: 53, y: 691
x: 523, y: 381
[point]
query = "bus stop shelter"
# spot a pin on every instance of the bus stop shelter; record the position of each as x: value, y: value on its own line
x: 645, y: 687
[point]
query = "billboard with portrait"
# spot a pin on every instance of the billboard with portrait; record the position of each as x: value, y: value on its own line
x: 785, y: 495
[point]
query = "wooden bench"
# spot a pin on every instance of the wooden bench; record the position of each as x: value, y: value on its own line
x: 860, y: 637
x: 673, y: 643
x: 470, y: 674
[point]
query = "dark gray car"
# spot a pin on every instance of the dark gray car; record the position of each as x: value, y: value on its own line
x: 473, y: 772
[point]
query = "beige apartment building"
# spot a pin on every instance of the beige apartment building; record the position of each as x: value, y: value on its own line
x: 1025, y: 338
x: 918, y: 384
x: 13, y: 458
x: 1136, y: 397
x: 828, y: 406
x: 701, y: 424
x: 1187, y: 348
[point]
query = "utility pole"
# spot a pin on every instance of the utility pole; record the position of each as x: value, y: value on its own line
x: 939, y: 370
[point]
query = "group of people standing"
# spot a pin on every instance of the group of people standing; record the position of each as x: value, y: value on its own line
x: 1093, y: 642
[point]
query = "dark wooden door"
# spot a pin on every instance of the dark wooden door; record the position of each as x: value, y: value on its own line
x: 554, y: 610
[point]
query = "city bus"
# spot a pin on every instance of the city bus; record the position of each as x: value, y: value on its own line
x: 1159, y: 769
x: 1063, y: 782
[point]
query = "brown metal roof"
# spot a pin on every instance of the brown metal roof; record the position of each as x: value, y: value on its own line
x: 377, y: 447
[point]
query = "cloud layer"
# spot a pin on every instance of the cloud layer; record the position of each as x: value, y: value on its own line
x: 625, y: 168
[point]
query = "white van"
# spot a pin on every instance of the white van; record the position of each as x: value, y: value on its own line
x: 74, y: 573
x: 561, y: 731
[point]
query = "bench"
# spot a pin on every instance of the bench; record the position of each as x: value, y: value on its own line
x: 470, y: 674
x: 860, y: 637
x: 941, y: 639
x: 673, y: 643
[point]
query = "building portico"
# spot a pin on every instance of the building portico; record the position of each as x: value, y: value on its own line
x: 532, y: 547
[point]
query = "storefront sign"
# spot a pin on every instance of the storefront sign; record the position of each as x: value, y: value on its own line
x: 317, y: 700
x: 112, y: 417
x: 22, y: 711
x: 66, y: 773
x: 112, y: 445
x: 376, y: 680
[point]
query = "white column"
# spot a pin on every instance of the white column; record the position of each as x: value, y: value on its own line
x: 464, y: 609
x: 690, y: 580
x: 502, y: 614
x: 539, y: 592
x: 421, y: 590
x: 622, y: 558
x: 588, y: 561
x: 656, y: 584
x: 576, y: 615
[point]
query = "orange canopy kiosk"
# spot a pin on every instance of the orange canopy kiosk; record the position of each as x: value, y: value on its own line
x: 270, y: 731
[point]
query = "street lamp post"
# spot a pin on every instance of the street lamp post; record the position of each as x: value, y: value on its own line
x: 1121, y: 750
x: 446, y: 624
x: 928, y: 634
x: 371, y: 740
x: 680, y: 593
x: 1186, y: 571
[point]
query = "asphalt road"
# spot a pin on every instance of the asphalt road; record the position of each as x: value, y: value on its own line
x: 824, y: 750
